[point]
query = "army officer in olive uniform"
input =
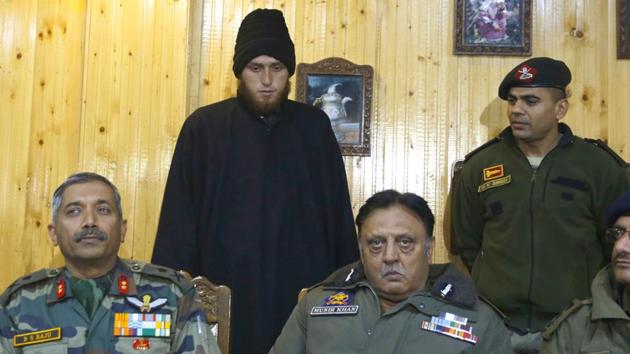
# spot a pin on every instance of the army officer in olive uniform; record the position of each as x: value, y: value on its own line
x: 393, y: 301
x: 99, y: 303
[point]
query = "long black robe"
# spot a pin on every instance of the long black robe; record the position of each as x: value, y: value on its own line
x: 261, y: 207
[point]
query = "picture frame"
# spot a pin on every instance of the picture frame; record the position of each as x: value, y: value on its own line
x: 343, y: 90
x: 493, y: 27
x: 623, y: 29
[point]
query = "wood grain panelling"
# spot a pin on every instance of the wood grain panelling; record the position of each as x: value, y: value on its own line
x: 105, y: 86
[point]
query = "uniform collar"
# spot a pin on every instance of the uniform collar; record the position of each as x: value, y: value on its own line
x: 460, y: 293
x: 605, y: 305
x: 566, y: 137
x: 123, y: 283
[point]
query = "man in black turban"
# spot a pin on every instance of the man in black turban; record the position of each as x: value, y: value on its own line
x: 257, y: 196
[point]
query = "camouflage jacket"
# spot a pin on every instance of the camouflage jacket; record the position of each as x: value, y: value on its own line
x: 148, y: 308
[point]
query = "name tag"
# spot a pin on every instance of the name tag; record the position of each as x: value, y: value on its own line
x: 334, y: 310
x: 495, y: 183
x: 47, y: 335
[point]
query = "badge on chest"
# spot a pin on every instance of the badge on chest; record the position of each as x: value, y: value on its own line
x: 336, y: 305
x: 450, y: 325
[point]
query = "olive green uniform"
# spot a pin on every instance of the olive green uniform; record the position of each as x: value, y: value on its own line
x: 146, y: 308
x: 599, y: 325
x: 315, y: 327
x: 533, y: 238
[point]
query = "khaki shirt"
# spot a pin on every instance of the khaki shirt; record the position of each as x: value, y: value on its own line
x: 358, y: 326
x: 599, y: 326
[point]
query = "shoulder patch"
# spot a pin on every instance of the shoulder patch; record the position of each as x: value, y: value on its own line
x: 554, y: 324
x: 160, y: 272
x: 485, y: 145
x: 32, y: 278
x: 602, y: 145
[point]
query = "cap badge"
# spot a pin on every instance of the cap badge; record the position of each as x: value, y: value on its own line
x: 526, y: 73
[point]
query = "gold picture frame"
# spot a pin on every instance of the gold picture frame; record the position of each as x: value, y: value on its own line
x: 343, y: 90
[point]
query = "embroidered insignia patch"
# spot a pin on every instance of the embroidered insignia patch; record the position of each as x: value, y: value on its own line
x: 492, y: 172
x: 141, y: 344
x: 337, y: 304
x: 495, y: 183
x: 123, y: 284
x: 47, y: 335
x: 147, y: 304
x: 450, y: 325
x: 142, y: 325
x: 61, y: 289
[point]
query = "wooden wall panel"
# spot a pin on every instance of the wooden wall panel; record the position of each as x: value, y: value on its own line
x: 134, y: 104
x: 17, y: 54
x: 119, y: 78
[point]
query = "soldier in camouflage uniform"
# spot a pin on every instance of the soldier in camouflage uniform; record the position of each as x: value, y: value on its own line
x: 99, y: 303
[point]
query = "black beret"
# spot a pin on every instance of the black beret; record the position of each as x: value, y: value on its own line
x: 263, y: 32
x: 536, y: 72
x: 620, y: 207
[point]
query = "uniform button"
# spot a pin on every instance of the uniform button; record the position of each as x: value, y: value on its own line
x: 369, y: 332
x: 421, y: 306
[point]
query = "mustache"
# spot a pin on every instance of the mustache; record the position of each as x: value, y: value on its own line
x: 89, y: 232
x: 396, y: 267
x: 622, y: 255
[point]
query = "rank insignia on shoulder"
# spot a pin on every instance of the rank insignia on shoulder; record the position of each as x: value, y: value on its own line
x: 146, y: 305
x: 60, y: 289
x: 337, y: 304
x: 43, y: 336
x: 142, y: 324
x: 446, y: 290
x: 450, y: 325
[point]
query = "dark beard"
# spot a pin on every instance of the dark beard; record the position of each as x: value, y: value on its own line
x: 262, y: 108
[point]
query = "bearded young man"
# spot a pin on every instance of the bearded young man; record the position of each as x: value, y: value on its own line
x: 257, y: 197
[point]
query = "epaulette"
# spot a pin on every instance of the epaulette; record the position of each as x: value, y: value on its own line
x: 492, y: 306
x: 161, y: 272
x: 32, y: 278
x: 344, y: 276
x: 452, y: 286
x: 602, y: 145
x: 485, y: 145
x: 554, y: 324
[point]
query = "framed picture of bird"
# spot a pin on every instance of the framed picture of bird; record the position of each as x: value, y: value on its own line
x: 493, y: 27
x: 343, y: 90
